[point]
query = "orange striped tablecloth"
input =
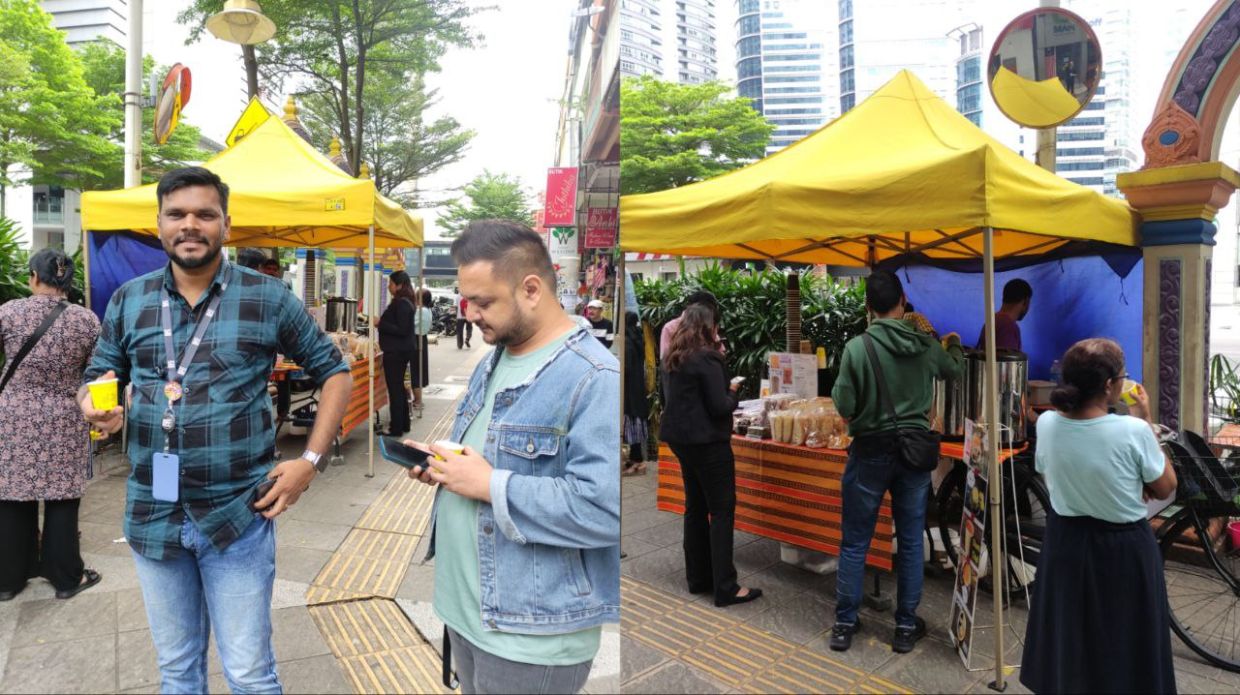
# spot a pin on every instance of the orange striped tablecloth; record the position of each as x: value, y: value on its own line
x: 359, y: 400
x: 788, y: 493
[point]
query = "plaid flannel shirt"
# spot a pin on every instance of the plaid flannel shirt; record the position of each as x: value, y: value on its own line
x: 224, y: 435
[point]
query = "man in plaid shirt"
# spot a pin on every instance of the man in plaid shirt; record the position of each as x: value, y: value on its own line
x: 196, y: 339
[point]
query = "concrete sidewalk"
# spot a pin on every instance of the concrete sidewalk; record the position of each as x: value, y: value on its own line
x: 674, y: 642
x: 351, y: 608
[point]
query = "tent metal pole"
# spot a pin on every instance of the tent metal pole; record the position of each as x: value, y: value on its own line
x: 622, y: 290
x: 422, y: 347
x: 86, y: 267
x: 994, y: 486
x: 371, y: 308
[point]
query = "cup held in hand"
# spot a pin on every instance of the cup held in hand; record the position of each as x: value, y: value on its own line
x: 103, y: 394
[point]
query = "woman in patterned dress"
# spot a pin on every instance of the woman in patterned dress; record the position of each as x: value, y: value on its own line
x: 44, y: 451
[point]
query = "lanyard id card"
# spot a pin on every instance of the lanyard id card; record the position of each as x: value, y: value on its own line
x: 165, y: 465
x: 165, y: 474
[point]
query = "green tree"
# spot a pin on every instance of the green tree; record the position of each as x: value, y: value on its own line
x: 335, y: 46
x: 401, y: 146
x: 491, y: 196
x: 104, y: 71
x: 672, y: 134
x: 53, y: 127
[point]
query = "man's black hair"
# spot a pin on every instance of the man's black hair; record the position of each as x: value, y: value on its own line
x: 251, y: 258
x: 1016, y: 291
x: 269, y: 261
x: 186, y: 177
x: 514, y: 249
x: 883, y: 291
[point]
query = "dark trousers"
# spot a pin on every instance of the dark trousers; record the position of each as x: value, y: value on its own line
x: 21, y: 558
x: 464, y: 333
x: 395, y: 363
x: 709, y: 473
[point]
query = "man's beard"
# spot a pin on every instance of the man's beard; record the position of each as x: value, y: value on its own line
x: 515, y: 333
x: 213, y: 252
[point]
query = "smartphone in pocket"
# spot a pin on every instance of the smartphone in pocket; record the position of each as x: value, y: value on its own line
x: 260, y: 492
x: 399, y: 453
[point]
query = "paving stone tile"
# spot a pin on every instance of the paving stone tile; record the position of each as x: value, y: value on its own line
x: 137, y: 665
x: 674, y: 677
x: 419, y: 582
x: 670, y: 533
x: 870, y: 650
x: 300, y: 564
x: 295, y: 635
x: 797, y: 621
x: 653, y: 564
x: 319, y: 674
x: 636, y: 659
x: 75, y: 666
x: 89, y: 614
x: 932, y: 667
x: 130, y: 610
x: 632, y: 547
x: 314, y: 535
x: 755, y: 556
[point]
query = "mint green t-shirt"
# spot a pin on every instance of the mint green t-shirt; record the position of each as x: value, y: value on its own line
x: 457, y: 596
x: 1097, y: 467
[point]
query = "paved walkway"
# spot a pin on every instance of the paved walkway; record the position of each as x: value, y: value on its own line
x: 351, y: 609
x: 674, y: 642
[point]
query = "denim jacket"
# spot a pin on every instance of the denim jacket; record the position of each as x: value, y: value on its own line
x: 549, y: 541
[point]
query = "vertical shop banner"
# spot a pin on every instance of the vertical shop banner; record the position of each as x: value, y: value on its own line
x: 561, y: 197
x: 601, y: 228
x: 971, y: 559
x: 540, y: 226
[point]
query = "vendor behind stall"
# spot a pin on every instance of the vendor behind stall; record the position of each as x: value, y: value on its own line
x: 1016, y: 296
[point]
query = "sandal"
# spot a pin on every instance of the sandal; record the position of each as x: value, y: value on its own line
x: 89, y: 578
x: 631, y: 469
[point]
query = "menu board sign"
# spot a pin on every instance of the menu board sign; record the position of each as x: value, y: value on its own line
x: 972, y: 532
x: 793, y: 373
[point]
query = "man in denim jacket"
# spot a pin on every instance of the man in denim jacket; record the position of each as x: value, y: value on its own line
x: 526, y: 523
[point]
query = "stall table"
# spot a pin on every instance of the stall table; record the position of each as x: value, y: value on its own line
x: 792, y: 494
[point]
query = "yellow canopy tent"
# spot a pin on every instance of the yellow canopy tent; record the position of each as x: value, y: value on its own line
x: 902, y: 172
x: 1037, y: 104
x: 283, y: 192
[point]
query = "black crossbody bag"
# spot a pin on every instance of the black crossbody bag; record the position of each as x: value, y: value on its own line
x: 30, y: 342
x: 916, y: 449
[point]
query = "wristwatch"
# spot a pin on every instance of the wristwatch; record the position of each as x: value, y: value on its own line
x: 316, y: 460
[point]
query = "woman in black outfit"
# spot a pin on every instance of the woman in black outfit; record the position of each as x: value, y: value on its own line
x: 697, y: 424
x: 636, y: 409
x: 396, y: 340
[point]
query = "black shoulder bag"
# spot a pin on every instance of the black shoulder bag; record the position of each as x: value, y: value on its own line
x: 916, y: 449
x: 30, y: 342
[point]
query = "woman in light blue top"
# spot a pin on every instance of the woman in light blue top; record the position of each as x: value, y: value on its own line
x: 1099, y: 620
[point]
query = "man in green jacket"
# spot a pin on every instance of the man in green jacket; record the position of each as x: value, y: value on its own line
x: 910, y: 361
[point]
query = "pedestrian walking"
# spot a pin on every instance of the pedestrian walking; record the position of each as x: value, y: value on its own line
x: 526, y: 520
x: 464, y: 329
x: 697, y: 424
x: 196, y: 340
x: 45, y: 450
x: 1098, y: 620
x: 420, y: 365
x: 636, y: 407
x: 884, y: 390
x: 399, y: 342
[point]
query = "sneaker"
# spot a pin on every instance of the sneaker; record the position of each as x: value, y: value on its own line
x: 905, y: 637
x: 842, y: 635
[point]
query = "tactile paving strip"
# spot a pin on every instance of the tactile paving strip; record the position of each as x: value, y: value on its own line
x: 378, y: 647
x: 351, y: 599
x: 739, y: 655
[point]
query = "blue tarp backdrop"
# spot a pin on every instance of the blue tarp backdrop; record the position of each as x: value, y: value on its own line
x: 117, y: 258
x: 1073, y: 298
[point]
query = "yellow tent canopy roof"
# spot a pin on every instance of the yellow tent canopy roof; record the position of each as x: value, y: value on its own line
x: 282, y: 193
x: 901, y: 172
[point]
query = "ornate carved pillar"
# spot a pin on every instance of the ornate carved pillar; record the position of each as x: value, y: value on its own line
x: 1178, y: 204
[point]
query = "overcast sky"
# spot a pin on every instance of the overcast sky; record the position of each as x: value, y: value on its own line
x: 507, y: 89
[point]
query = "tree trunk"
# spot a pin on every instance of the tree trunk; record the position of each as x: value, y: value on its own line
x: 343, y: 57
x: 355, y: 154
x: 251, y: 69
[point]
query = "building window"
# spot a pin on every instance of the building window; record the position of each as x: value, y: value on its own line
x: 846, y: 57
x: 846, y: 9
x: 847, y: 102
x: 846, y: 32
x: 847, y: 81
x: 748, y: 46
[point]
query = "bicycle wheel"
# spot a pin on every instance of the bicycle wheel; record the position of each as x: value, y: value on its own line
x: 949, y: 507
x: 1203, y: 584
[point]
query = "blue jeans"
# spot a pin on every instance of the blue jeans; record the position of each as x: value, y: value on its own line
x: 870, y: 472
x: 232, y: 590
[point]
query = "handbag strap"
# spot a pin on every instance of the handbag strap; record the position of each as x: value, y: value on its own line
x: 30, y: 342
x: 884, y: 396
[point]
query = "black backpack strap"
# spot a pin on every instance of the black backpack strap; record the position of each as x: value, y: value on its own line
x: 449, y: 678
x: 30, y: 342
x: 884, y: 396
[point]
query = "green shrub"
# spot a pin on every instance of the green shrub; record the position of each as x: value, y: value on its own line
x: 754, y: 319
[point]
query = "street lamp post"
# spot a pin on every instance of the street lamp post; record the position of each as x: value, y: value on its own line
x: 133, y: 97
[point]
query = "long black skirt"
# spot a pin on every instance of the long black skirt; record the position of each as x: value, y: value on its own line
x: 1099, y: 620
x: 419, y: 363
